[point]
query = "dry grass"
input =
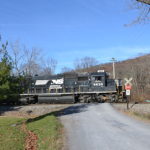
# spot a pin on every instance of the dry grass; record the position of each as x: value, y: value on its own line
x: 138, y: 111
x: 140, y: 116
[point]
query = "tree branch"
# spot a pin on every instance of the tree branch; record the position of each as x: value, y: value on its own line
x: 144, y: 1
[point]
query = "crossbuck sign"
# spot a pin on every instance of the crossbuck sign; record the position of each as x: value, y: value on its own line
x: 128, y: 81
x: 128, y: 85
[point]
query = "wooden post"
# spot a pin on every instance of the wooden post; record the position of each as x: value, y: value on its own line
x: 127, y: 102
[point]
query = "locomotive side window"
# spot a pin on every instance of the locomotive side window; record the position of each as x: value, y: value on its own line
x: 82, y: 78
x: 98, y: 78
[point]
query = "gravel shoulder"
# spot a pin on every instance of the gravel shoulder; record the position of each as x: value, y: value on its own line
x: 30, y: 110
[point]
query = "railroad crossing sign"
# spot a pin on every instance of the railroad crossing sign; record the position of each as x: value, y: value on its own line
x: 128, y: 87
x: 128, y: 81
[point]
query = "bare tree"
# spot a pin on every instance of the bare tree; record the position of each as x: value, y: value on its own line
x: 48, y: 66
x: 139, y: 70
x: 31, y: 59
x: 17, y: 58
x: 143, y: 6
x: 144, y: 1
x: 140, y: 74
x: 85, y: 62
x: 66, y: 69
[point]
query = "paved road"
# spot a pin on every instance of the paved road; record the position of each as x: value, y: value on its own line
x: 100, y: 127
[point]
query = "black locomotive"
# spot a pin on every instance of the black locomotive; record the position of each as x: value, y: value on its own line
x: 73, y: 87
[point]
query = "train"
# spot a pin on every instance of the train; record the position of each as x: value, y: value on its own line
x: 74, y: 87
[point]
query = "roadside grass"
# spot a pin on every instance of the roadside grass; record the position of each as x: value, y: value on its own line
x: 139, y: 111
x: 142, y: 115
x: 49, y: 131
x: 46, y: 127
x: 11, y: 136
x: 136, y: 115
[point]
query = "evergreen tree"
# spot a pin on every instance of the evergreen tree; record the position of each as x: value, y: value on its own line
x: 10, y: 86
x: 5, y: 72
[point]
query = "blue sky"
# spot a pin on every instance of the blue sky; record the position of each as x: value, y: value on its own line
x: 70, y: 29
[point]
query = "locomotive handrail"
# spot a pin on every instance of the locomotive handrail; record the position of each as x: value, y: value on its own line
x: 97, y: 92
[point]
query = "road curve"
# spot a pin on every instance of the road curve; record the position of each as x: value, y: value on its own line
x: 100, y: 127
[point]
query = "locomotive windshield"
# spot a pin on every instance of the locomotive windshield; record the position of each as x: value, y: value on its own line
x: 98, y: 78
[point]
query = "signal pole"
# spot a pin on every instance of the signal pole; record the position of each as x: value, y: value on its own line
x: 113, y: 63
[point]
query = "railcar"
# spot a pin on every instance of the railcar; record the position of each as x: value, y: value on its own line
x: 73, y: 87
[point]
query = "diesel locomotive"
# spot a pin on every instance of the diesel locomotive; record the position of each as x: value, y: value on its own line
x: 73, y: 87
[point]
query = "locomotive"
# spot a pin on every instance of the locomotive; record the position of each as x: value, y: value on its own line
x: 73, y: 87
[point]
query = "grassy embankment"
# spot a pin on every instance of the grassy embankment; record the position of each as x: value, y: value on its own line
x: 11, y: 136
x: 49, y: 131
x: 47, y: 128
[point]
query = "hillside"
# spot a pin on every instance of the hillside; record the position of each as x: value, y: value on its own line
x: 140, y: 60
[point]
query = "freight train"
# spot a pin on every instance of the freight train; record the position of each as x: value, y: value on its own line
x: 73, y: 87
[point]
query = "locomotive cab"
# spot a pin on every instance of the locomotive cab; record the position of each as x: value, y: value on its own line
x: 98, y: 80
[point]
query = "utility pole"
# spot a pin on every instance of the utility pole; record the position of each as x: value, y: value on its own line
x: 113, y: 63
